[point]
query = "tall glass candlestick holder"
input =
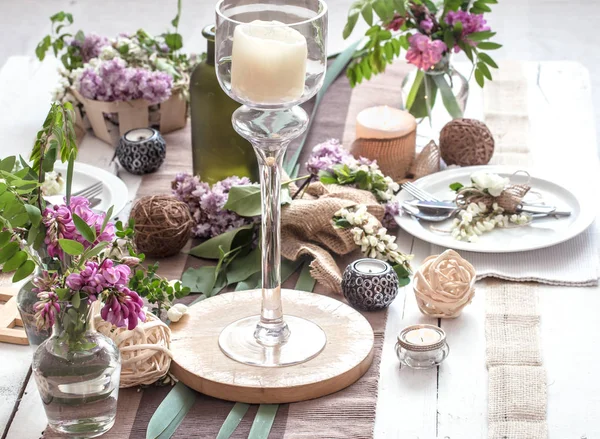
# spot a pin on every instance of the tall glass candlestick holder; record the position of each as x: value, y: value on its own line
x: 271, y: 57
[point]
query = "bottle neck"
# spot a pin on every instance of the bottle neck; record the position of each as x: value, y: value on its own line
x: 210, y: 52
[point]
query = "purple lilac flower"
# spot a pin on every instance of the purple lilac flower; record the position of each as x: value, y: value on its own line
x: 392, y: 209
x: 59, y: 224
x: 46, y: 309
x: 325, y: 155
x: 424, y: 52
x: 123, y: 308
x: 206, y: 204
x: 470, y: 23
x: 113, y: 81
x: 91, y: 47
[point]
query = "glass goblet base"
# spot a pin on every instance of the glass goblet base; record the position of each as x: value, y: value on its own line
x: 305, y: 342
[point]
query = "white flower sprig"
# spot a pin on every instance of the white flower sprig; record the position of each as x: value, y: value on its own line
x: 477, y: 219
x: 373, y: 240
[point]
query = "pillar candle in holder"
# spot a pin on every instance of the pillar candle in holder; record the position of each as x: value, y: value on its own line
x: 370, y: 284
x: 422, y: 346
x: 268, y: 63
x: 387, y: 135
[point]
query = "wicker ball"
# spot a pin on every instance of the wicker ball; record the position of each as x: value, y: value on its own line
x: 162, y: 225
x: 466, y: 142
x: 145, y: 350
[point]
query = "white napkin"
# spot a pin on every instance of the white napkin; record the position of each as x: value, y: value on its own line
x: 573, y: 263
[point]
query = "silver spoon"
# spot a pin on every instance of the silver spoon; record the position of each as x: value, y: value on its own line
x: 434, y: 217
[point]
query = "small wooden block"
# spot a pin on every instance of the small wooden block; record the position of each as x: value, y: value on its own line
x: 200, y: 364
x: 11, y: 325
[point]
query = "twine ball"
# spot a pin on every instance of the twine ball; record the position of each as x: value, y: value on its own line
x: 466, y: 142
x: 162, y: 225
x: 444, y: 285
x: 145, y: 350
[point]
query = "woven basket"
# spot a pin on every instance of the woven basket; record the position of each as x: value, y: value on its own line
x: 133, y: 114
x: 394, y: 156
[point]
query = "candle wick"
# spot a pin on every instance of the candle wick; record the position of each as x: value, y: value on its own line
x: 140, y: 138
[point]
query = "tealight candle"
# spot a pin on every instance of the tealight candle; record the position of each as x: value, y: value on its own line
x: 384, y: 123
x: 370, y: 266
x: 369, y: 284
x: 268, y: 62
x: 139, y: 134
x: 422, y: 346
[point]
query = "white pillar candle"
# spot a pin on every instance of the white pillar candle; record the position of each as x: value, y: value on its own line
x: 384, y: 123
x: 268, y: 62
x: 422, y: 336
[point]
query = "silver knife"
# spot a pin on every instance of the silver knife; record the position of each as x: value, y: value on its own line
x: 524, y: 208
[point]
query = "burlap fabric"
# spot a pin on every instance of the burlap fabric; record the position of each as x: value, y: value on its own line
x: 306, y: 228
x: 427, y: 162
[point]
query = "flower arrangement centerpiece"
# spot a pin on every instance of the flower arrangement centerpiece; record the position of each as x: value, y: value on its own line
x: 429, y: 32
x: 147, y: 72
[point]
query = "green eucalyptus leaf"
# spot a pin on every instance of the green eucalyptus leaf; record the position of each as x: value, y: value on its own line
x: 82, y: 227
x: 227, y: 241
x: 23, y: 271
x: 8, y: 251
x: 14, y: 262
x: 71, y: 247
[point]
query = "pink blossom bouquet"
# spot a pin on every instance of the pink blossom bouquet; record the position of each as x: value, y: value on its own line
x: 429, y: 32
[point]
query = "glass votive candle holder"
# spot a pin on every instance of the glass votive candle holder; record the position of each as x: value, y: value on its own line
x: 422, y: 346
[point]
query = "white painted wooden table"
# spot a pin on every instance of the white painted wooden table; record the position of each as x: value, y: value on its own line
x: 449, y: 402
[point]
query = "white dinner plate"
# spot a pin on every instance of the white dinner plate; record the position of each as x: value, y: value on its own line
x: 540, y: 233
x: 114, y: 190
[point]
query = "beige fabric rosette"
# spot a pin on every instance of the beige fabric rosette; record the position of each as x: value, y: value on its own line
x: 444, y: 285
x: 307, y: 229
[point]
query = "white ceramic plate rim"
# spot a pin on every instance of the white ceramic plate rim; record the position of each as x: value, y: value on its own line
x: 116, y: 188
x: 582, y: 221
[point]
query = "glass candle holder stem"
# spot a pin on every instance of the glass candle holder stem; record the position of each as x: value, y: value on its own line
x: 270, y: 133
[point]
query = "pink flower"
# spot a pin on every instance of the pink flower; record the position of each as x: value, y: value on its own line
x: 423, y: 52
x: 46, y: 309
x: 426, y: 25
x: 470, y: 23
x: 123, y: 308
x: 115, y: 276
x: 396, y: 23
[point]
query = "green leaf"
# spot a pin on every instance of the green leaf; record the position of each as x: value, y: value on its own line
x: 4, y: 238
x: 487, y: 59
x: 241, y: 268
x: 305, y: 281
x: 69, y: 184
x: 71, y: 247
x: 485, y: 70
x: 175, y: 21
x: 76, y: 299
x: 174, y: 41
x: 200, y: 280
x: 449, y: 39
x: 24, y: 270
x: 425, y: 99
x: 479, y: 78
x: 480, y: 36
x: 410, y: 100
x: 251, y: 283
x: 488, y: 45
x: 403, y: 281
x: 456, y: 186
x: 448, y: 97
x: 351, y: 23
x: 82, y: 227
x: 8, y: 163
x: 226, y: 241
x: 233, y: 419
x: 8, y: 251
x: 14, y: 262
x: 401, y: 271
x: 265, y: 416
x: 171, y: 412
x: 367, y: 13
x: 481, y: 7
x: 96, y: 250
x: 244, y: 200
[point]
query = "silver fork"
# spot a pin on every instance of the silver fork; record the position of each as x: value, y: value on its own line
x: 88, y: 192
x: 417, y: 192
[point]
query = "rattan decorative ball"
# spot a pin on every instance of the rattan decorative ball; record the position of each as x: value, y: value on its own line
x: 162, y: 225
x: 466, y: 142
x: 145, y: 350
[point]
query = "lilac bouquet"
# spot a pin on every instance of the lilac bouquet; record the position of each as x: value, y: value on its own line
x: 429, y: 32
x: 335, y: 165
x: 207, y: 203
x: 79, y: 271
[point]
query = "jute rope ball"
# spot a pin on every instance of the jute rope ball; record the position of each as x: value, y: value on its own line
x: 444, y: 285
x: 145, y: 350
x: 162, y: 225
x: 466, y: 142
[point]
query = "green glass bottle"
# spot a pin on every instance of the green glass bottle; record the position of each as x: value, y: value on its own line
x: 218, y: 151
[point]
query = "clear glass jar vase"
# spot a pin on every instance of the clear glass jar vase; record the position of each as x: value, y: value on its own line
x: 77, y: 371
x: 435, y: 97
x: 26, y: 299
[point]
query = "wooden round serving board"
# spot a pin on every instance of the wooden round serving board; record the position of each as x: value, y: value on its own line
x: 200, y: 364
